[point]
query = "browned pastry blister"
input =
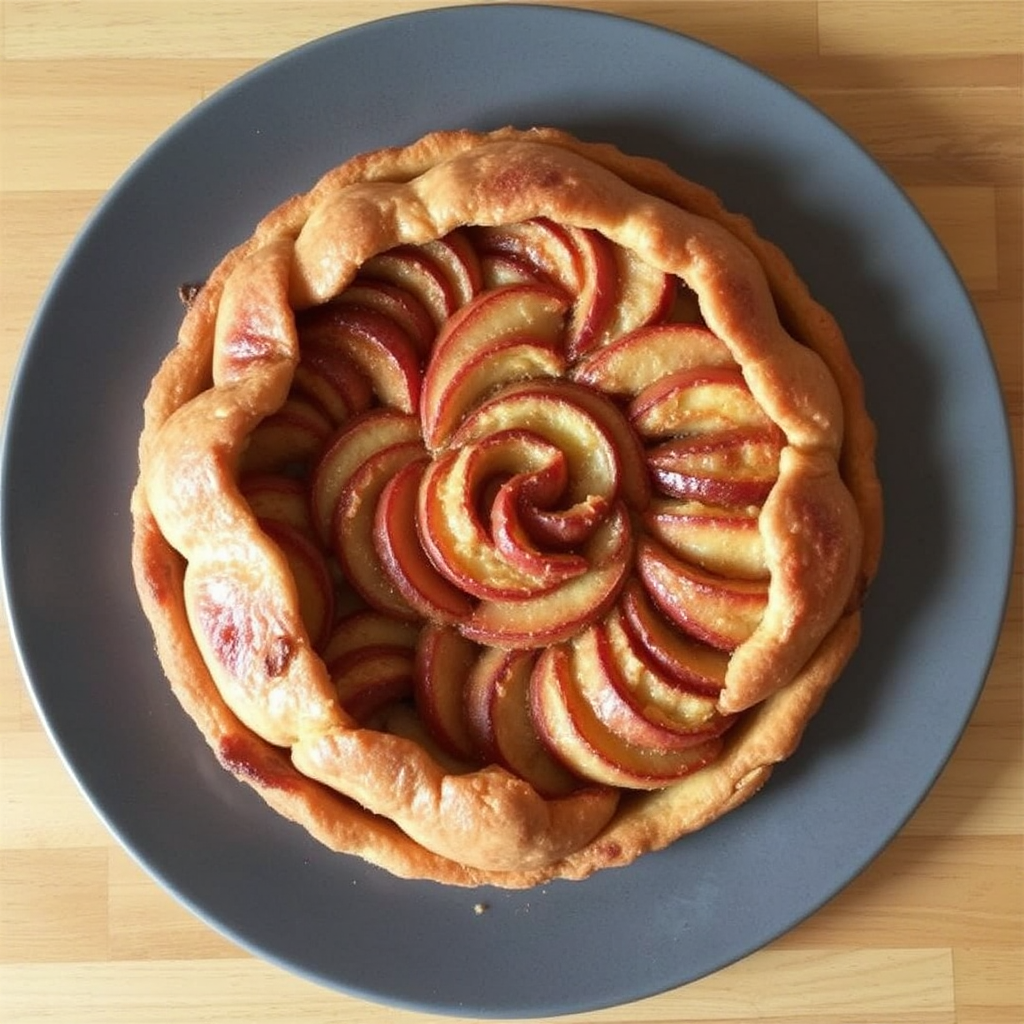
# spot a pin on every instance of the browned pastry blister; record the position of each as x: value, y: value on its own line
x: 505, y: 508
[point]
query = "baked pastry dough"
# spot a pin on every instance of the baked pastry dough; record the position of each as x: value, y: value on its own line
x: 505, y: 508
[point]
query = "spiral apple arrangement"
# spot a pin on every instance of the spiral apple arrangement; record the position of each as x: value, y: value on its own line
x: 538, y: 475
x: 505, y: 508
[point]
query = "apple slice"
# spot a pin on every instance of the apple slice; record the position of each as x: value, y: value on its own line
x: 560, y: 413
x: 368, y: 627
x: 726, y: 541
x: 352, y: 527
x: 444, y: 661
x: 374, y: 342
x: 313, y: 585
x: 455, y: 535
x: 396, y: 541
x: 409, y: 267
x: 648, y: 354
x: 458, y: 261
x: 542, y: 245
x: 399, y: 304
x: 568, y: 726
x: 464, y: 364
x: 357, y: 440
x: 688, y: 663
x: 716, y: 610
x: 289, y: 439
x: 662, y: 698
x: 369, y: 678
x: 645, y: 295
x: 734, y: 467
x: 562, y: 612
x: 501, y: 269
x: 332, y: 379
x: 634, y: 703
x: 596, y: 293
x: 498, y: 711
x: 280, y: 498
x: 702, y: 400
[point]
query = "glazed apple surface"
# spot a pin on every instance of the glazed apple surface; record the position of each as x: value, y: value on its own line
x: 549, y: 527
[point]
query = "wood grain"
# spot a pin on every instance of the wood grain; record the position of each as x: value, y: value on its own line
x: 932, y: 932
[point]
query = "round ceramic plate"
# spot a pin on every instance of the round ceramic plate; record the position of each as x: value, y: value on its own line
x: 887, y: 728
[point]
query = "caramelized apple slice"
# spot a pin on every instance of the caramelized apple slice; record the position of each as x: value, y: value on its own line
x: 290, y: 438
x: 395, y: 302
x: 473, y: 354
x: 368, y: 628
x: 411, y: 268
x: 455, y: 534
x: 696, y: 401
x: 280, y: 498
x: 374, y: 342
x: 638, y: 706
x: 689, y: 664
x: 645, y: 295
x: 352, y: 527
x: 716, y: 610
x: 568, y: 726
x: 560, y: 613
x: 332, y: 380
x: 498, y: 710
x: 313, y: 583
x: 397, y: 543
x: 371, y: 677
x: 735, y: 467
x: 721, y: 540
x: 444, y: 661
x: 360, y: 438
x: 648, y: 354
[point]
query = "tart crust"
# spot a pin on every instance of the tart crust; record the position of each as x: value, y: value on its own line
x: 223, y: 604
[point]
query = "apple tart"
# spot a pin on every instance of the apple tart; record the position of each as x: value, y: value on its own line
x: 505, y: 508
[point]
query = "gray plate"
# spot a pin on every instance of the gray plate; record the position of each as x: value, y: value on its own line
x: 889, y: 725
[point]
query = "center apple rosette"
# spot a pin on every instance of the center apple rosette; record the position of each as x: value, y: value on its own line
x: 505, y: 508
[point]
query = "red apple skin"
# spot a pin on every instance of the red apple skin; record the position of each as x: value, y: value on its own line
x: 444, y: 660
x: 370, y: 678
x: 659, y: 720
x: 455, y: 256
x: 331, y: 379
x: 689, y: 664
x: 696, y: 401
x: 313, y: 584
x: 572, y: 732
x: 352, y: 528
x: 717, y: 611
x: 597, y: 291
x: 636, y: 360
x: 397, y: 543
x: 347, y: 450
x: 645, y: 295
x: 455, y: 535
x: 408, y: 266
x: 368, y: 627
x: 292, y: 437
x: 376, y: 343
x: 562, y: 612
x: 465, y: 351
x: 721, y: 540
x: 735, y: 468
x: 498, y: 710
x: 280, y: 498
x: 399, y: 304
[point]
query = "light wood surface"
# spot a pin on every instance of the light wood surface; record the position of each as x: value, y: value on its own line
x: 933, y: 931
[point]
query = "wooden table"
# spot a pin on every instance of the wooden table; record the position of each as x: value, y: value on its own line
x: 932, y: 931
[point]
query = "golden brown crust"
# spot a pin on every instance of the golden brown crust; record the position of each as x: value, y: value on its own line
x: 249, y: 676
